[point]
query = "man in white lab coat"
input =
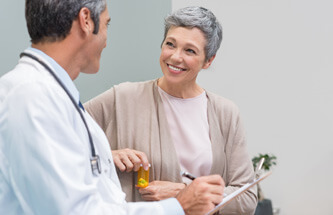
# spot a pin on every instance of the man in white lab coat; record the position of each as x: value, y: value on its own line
x: 54, y: 159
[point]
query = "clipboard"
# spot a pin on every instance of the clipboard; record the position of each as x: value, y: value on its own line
x: 238, y: 192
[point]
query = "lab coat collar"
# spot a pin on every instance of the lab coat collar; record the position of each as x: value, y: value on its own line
x: 59, y: 72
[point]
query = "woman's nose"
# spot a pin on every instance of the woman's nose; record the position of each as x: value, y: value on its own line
x: 177, y: 56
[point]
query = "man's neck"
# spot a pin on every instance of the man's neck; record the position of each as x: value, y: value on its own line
x: 62, y: 53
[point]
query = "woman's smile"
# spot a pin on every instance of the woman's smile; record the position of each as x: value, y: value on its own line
x: 175, y: 69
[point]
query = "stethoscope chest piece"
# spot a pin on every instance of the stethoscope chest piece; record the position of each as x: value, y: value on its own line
x: 96, y: 165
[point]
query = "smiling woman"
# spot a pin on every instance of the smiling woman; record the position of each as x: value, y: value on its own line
x: 174, y: 124
x: 182, y: 58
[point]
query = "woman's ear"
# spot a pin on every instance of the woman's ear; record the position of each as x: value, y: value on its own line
x: 85, y: 22
x: 208, y: 62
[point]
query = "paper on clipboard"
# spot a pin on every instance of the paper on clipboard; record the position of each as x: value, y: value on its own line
x: 236, y: 193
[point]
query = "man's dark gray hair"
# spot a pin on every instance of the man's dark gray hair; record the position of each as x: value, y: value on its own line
x: 201, y: 18
x: 51, y: 20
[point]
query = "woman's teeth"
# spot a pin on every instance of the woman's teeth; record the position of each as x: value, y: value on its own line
x: 175, y: 68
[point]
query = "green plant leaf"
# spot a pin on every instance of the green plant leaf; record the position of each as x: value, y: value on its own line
x: 270, y: 160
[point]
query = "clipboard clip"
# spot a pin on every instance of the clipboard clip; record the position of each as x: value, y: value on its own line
x: 258, y: 178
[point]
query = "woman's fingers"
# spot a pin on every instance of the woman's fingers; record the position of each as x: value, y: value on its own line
x: 129, y: 160
x: 119, y: 164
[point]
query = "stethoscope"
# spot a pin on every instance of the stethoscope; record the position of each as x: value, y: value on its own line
x: 94, y: 160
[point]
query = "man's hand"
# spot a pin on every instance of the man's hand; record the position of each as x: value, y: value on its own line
x: 129, y: 160
x: 202, y: 194
x: 159, y: 190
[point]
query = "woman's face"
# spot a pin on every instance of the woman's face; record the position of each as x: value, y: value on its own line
x: 183, y: 56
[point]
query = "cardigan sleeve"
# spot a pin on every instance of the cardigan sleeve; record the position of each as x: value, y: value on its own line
x: 239, y: 169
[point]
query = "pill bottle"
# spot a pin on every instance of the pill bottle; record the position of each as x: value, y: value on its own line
x: 143, y: 177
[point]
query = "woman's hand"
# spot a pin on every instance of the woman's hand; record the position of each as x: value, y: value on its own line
x: 129, y: 160
x: 159, y: 190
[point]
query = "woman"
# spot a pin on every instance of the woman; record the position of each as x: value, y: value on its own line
x: 173, y: 122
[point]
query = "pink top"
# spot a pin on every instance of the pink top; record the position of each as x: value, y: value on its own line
x: 187, y: 119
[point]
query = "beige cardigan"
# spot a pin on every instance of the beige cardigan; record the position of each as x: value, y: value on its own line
x: 132, y: 116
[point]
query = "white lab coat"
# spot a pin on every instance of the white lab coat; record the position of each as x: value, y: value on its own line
x: 45, y: 152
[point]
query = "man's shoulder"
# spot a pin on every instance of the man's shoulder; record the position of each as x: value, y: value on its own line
x: 23, y: 75
x: 27, y: 87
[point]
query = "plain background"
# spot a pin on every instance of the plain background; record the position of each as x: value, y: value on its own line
x: 275, y: 63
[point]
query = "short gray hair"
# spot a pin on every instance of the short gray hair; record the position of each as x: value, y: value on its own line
x: 201, y: 18
x: 52, y: 20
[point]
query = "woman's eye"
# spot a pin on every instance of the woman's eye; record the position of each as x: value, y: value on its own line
x: 169, y: 44
x: 191, y: 51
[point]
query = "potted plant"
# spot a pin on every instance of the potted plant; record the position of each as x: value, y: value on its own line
x: 264, y: 206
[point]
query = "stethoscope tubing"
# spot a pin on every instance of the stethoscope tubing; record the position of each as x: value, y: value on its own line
x: 95, y: 162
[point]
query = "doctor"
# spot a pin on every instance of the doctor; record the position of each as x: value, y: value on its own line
x: 54, y: 159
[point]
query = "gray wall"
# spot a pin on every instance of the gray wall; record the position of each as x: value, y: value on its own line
x: 132, y: 52
x: 14, y: 36
x: 276, y: 64
x: 133, y: 49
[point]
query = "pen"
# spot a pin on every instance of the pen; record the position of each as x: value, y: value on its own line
x: 257, y: 171
x: 188, y: 175
x: 192, y: 177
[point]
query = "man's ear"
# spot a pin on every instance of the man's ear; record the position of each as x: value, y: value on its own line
x: 208, y: 62
x: 85, y: 22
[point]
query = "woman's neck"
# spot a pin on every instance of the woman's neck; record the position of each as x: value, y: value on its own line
x: 180, y: 91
